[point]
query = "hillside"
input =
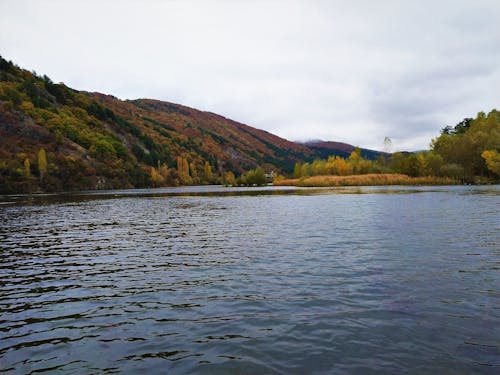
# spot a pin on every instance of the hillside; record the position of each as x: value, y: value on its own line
x: 324, y: 149
x: 56, y: 138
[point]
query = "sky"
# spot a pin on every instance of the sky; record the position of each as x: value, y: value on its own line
x: 349, y: 71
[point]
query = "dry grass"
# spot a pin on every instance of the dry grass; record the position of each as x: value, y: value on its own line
x: 366, y: 180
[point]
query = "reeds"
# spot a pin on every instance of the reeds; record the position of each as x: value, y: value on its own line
x: 367, y: 180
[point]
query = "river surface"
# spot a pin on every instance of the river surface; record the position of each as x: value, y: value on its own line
x: 212, y: 280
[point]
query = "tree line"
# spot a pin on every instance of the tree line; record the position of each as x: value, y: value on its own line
x: 468, y: 152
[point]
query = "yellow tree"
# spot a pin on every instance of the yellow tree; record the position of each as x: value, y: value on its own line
x: 154, y: 176
x: 342, y: 167
x: 42, y: 163
x: 183, y: 170
x: 492, y: 158
x: 318, y: 167
x: 230, y: 179
x: 162, y: 173
x: 355, y: 159
x: 422, y: 169
x: 27, y: 168
x: 208, y: 172
x: 194, y: 172
x: 330, y: 165
x: 305, y: 170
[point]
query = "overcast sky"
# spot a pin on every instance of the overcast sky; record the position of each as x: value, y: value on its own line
x: 350, y: 71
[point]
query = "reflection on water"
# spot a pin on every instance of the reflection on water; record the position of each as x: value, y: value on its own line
x: 274, y: 280
x: 221, y: 191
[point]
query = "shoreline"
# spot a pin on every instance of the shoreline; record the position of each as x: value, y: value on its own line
x: 372, y: 179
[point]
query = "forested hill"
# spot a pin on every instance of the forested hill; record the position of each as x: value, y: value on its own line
x: 55, y: 138
x: 324, y: 149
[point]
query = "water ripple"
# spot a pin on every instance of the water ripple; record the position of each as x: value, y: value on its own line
x: 369, y: 280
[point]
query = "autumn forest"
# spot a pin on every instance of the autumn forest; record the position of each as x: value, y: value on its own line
x: 55, y: 138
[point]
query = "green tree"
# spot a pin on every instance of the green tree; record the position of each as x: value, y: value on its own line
x: 254, y: 177
x: 464, y: 145
x: 102, y: 149
x: 434, y: 163
x: 260, y: 176
x: 297, y: 170
x: 453, y: 170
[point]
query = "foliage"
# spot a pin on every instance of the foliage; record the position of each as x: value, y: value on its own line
x: 27, y: 168
x: 230, y: 179
x: 93, y: 140
x: 80, y: 140
x: 183, y: 171
x: 253, y: 177
x: 207, y: 171
x: 468, y: 152
x: 42, y: 163
x: 336, y: 165
x: 492, y: 158
x: 366, y: 180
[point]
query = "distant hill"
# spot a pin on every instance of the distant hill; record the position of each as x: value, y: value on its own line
x: 96, y: 141
x: 323, y: 149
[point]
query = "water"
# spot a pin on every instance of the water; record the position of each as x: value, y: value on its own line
x: 261, y: 281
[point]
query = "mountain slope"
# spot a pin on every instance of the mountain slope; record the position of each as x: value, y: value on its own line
x: 323, y: 149
x: 96, y: 141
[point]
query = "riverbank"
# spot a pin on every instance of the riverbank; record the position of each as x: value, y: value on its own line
x: 366, y: 180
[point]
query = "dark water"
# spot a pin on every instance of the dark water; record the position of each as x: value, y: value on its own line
x: 214, y: 281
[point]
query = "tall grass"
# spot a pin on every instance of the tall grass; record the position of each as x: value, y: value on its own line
x: 366, y: 180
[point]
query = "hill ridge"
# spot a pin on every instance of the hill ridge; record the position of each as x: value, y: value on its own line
x: 94, y: 140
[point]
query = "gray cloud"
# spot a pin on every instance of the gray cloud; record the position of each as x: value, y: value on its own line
x: 352, y: 71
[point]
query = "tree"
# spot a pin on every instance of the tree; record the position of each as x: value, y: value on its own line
x: 355, y: 159
x: 464, y: 145
x: 207, y: 169
x: 27, y: 168
x: 434, y: 163
x: 297, y: 170
x: 254, y: 177
x: 452, y: 170
x: 194, y: 172
x: 421, y: 165
x: 183, y: 171
x: 318, y: 167
x: 260, y: 176
x: 305, y: 170
x: 492, y: 159
x: 42, y: 163
x: 102, y: 149
x: 229, y: 179
x: 342, y: 167
x: 155, y: 178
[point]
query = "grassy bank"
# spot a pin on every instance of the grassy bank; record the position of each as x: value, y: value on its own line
x: 366, y: 180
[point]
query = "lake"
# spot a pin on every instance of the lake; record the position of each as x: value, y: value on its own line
x: 213, y: 280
